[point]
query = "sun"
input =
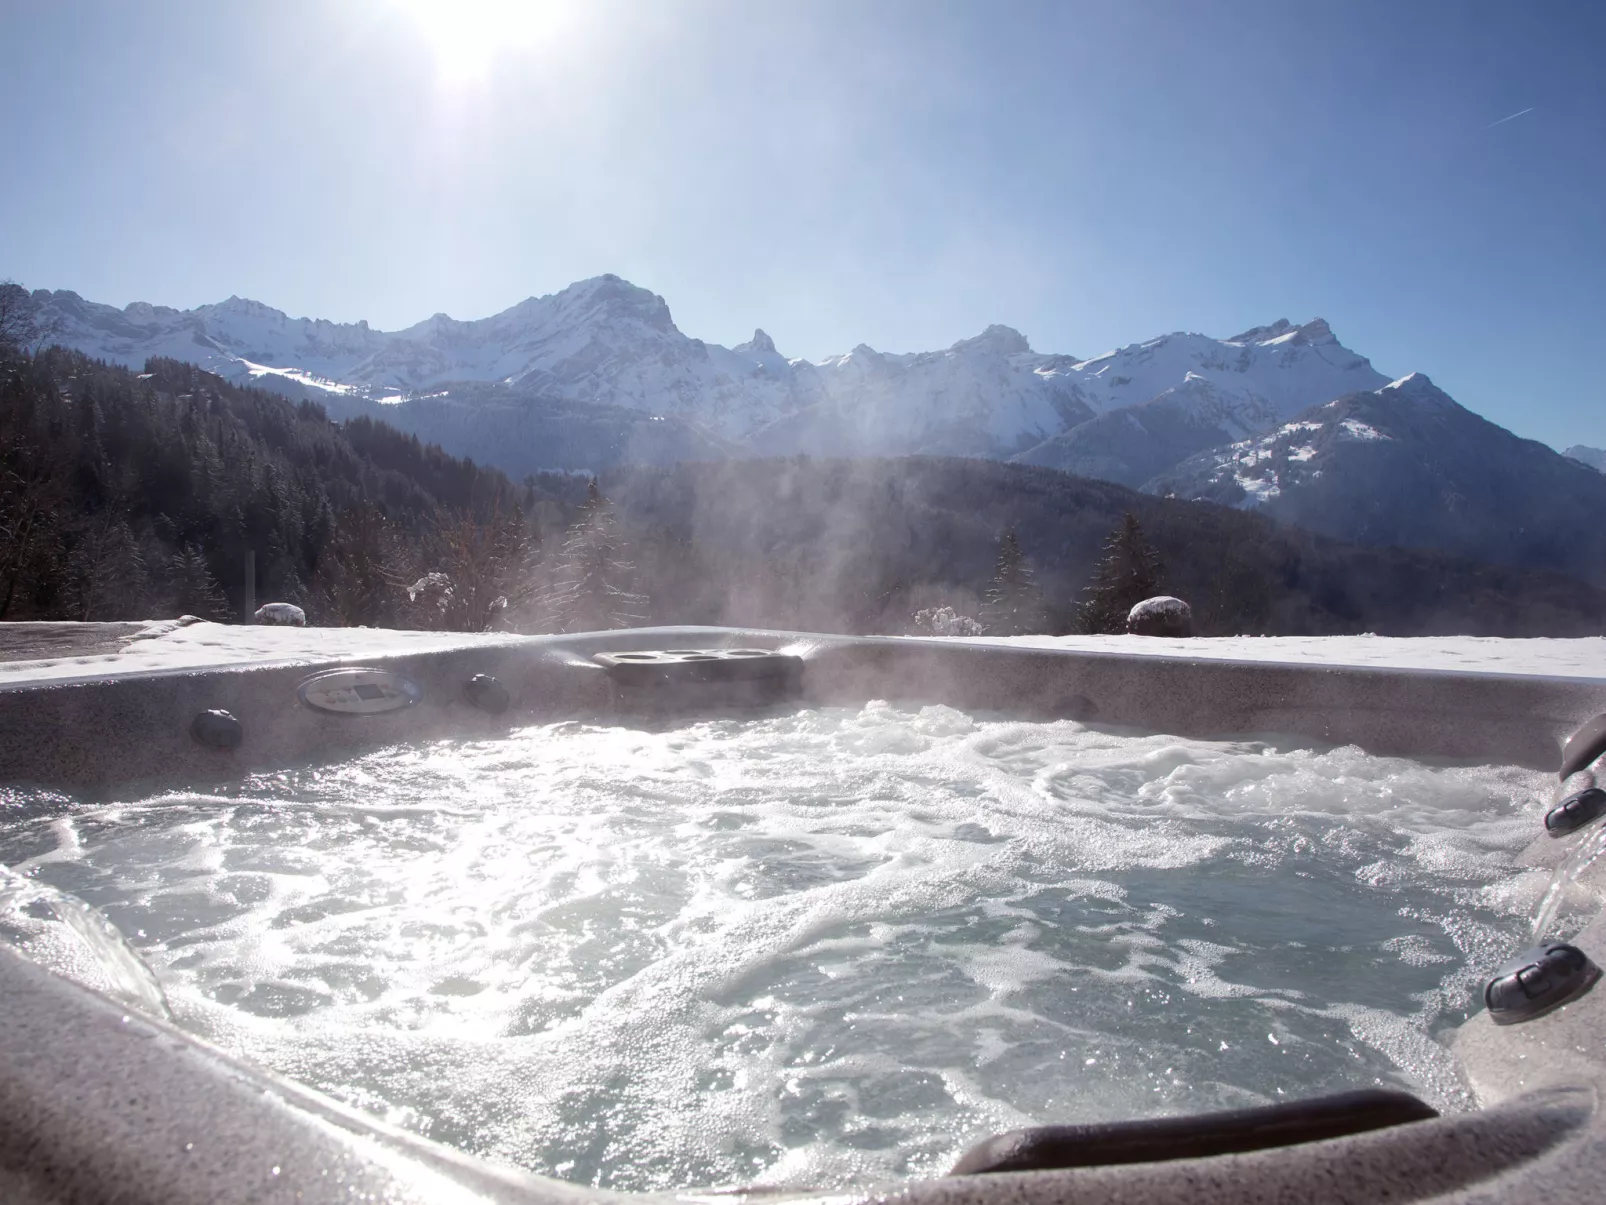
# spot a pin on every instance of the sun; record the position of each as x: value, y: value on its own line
x: 467, y: 37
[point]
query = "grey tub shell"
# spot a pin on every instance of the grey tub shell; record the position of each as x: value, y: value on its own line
x: 101, y: 1105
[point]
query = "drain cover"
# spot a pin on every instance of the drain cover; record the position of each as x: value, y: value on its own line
x: 359, y: 691
x: 644, y: 666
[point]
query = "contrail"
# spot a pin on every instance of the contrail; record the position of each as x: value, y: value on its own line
x: 1513, y: 117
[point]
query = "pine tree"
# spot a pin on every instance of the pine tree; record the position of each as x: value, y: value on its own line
x: 192, y: 588
x: 106, y: 577
x: 1128, y: 573
x: 592, y: 580
x: 1012, y: 605
x: 361, y: 571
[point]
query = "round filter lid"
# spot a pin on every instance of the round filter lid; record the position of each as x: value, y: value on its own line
x: 359, y: 691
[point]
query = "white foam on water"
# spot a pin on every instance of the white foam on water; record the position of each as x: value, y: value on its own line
x: 819, y: 946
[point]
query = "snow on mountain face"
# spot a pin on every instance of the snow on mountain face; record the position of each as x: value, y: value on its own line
x: 1406, y: 465
x: 1175, y: 396
x: 1281, y: 367
x: 1134, y: 443
x: 1253, y: 471
x: 601, y: 340
x: 605, y: 341
x: 985, y: 396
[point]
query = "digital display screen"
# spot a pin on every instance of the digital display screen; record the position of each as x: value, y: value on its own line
x: 367, y: 690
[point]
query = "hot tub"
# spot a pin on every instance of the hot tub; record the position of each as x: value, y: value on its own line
x: 695, y: 909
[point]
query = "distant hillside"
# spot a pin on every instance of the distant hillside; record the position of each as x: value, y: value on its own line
x: 127, y: 495
x: 1406, y: 465
x: 522, y: 430
x: 858, y: 546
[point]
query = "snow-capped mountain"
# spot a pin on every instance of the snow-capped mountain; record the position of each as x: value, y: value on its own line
x: 1224, y: 390
x: 985, y: 396
x: 602, y: 340
x: 606, y: 342
x: 1406, y: 465
x: 1284, y: 366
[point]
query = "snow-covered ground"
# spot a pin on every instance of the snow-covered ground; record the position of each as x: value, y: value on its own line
x: 171, y: 645
x: 1572, y: 658
x: 167, y: 644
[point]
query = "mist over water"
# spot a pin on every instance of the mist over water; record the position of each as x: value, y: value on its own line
x: 815, y: 946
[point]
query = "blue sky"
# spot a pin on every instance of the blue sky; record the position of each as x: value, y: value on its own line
x: 899, y: 174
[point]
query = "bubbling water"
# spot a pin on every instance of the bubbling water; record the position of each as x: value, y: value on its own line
x: 816, y: 946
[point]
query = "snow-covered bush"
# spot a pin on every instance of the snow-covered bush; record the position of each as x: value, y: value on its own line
x: 945, y: 621
x: 433, y: 590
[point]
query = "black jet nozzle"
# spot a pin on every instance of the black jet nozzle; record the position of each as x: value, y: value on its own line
x: 1575, y: 811
x: 1539, y: 981
x: 486, y: 693
x: 217, y: 729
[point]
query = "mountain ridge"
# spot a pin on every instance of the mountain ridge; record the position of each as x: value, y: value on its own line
x: 608, y: 342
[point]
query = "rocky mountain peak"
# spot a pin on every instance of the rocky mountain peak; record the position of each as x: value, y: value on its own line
x: 1260, y: 334
x: 617, y: 297
x: 1283, y: 331
x: 1415, y: 389
x: 1410, y: 383
x: 998, y: 339
x: 759, y: 345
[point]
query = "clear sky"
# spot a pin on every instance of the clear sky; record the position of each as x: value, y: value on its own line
x: 898, y: 174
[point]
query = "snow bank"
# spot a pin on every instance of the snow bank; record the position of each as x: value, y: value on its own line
x: 176, y: 644
x: 1570, y: 658
x: 179, y: 645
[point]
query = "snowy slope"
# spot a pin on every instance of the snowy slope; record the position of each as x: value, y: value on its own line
x: 1134, y: 443
x: 1288, y: 366
x: 1177, y: 395
x: 1406, y: 465
x: 605, y: 341
x: 985, y: 396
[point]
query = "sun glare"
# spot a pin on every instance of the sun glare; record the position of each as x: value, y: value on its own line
x: 467, y: 37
